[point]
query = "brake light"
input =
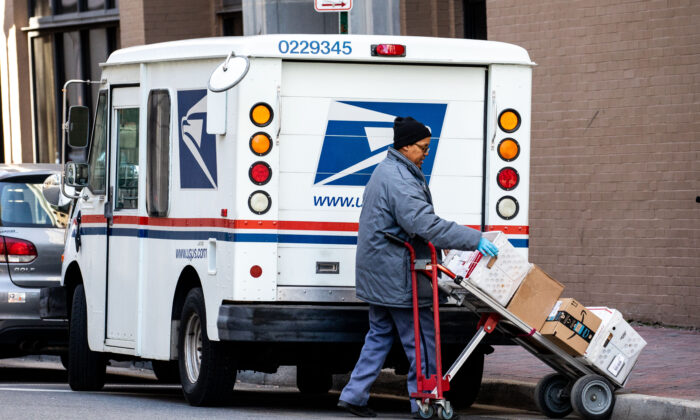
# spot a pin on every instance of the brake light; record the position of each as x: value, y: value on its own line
x: 396, y: 50
x: 260, y: 173
x: 508, y: 178
x: 15, y: 250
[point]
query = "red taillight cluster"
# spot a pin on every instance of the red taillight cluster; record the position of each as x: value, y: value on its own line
x: 509, y: 121
x: 15, y: 250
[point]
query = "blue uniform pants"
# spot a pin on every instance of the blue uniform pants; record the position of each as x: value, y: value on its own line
x: 378, y: 342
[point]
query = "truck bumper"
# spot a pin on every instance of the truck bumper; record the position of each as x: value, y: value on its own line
x: 279, y: 323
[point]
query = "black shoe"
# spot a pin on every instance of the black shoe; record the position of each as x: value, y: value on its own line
x: 358, y: 410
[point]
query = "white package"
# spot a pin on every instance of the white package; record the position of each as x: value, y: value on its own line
x: 502, y: 279
x: 615, y: 347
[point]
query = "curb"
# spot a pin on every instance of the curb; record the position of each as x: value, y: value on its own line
x: 627, y: 406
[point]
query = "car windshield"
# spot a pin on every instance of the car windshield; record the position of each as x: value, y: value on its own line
x: 23, y: 205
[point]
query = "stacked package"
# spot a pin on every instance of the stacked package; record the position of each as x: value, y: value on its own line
x: 598, y: 336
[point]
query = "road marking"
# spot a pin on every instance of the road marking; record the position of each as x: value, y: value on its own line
x: 34, y: 389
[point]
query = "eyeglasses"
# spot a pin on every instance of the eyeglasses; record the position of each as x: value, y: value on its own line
x: 425, y: 148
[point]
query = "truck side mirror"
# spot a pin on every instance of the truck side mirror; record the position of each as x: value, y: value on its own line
x: 76, y: 174
x: 78, y: 123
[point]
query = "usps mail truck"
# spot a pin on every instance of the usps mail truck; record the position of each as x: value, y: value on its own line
x: 217, y: 222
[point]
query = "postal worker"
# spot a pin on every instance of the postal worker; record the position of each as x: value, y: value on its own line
x: 397, y: 200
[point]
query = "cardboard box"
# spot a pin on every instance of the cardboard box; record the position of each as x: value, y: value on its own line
x: 535, y: 298
x: 615, y: 347
x: 498, y: 277
x: 571, y: 326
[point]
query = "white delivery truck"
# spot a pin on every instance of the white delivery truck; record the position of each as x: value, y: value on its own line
x: 216, y: 226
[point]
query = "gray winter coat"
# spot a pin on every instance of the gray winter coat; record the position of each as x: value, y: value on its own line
x: 397, y: 200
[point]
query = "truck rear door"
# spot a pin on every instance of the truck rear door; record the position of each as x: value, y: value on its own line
x: 336, y: 125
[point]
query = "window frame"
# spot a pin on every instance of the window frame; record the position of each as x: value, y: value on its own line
x: 154, y: 208
x: 102, y: 93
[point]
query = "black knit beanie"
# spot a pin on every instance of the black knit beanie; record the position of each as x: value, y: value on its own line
x: 408, y: 131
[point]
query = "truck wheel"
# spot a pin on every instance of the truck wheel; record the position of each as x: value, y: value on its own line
x: 86, y: 368
x: 552, y: 396
x: 313, y: 380
x: 465, y: 387
x: 207, y: 369
x: 592, y: 397
x: 166, y: 371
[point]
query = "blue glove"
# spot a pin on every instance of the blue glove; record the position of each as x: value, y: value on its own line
x: 487, y: 248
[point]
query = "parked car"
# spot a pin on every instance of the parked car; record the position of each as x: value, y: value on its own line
x: 32, y: 235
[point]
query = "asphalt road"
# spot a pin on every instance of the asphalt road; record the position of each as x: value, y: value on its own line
x: 37, y: 393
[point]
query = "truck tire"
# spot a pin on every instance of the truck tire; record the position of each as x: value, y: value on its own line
x: 86, y: 368
x: 466, y: 385
x: 166, y: 371
x: 207, y: 368
x: 313, y: 380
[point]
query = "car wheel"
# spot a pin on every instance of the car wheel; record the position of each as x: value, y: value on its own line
x: 207, y: 369
x: 86, y: 368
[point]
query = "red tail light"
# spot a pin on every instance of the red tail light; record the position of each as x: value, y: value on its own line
x: 16, y: 250
x: 260, y: 173
x: 396, y: 50
x: 508, y: 178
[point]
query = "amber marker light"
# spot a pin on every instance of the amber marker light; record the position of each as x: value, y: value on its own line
x: 509, y: 120
x: 260, y: 144
x: 508, y: 149
x: 261, y: 114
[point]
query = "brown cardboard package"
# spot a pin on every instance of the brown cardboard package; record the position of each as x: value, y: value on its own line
x: 535, y: 298
x: 570, y: 326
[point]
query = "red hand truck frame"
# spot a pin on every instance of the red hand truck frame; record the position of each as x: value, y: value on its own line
x: 430, y: 390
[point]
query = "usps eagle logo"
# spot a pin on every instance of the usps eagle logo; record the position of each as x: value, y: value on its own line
x: 197, y: 147
x: 359, y: 133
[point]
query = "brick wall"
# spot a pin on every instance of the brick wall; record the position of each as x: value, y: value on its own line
x: 615, y: 149
x: 147, y: 22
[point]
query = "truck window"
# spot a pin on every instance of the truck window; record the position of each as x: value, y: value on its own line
x: 127, y: 188
x: 158, y: 151
x: 98, y: 147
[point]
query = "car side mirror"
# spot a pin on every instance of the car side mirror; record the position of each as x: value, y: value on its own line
x: 78, y: 123
x: 76, y: 174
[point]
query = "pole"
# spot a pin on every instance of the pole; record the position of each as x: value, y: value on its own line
x: 343, y: 23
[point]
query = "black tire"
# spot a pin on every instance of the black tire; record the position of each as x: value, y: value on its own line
x: 166, y: 371
x: 314, y: 380
x: 86, y: 368
x: 207, y: 368
x: 592, y: 397
x: 552, y: 396
x: 464, y: 389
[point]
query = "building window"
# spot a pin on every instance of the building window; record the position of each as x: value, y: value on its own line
x: 474, y: 19
x: 231, y: 15
x: 158, y: 153
x: 68, y: 40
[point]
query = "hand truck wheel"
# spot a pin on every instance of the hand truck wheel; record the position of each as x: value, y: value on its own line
x: 445, y: 412
x: 552, y: 396
x: 426, y: 410
x: 592, y: 397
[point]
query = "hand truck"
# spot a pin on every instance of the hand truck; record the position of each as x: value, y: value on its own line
x: 575, y: 386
